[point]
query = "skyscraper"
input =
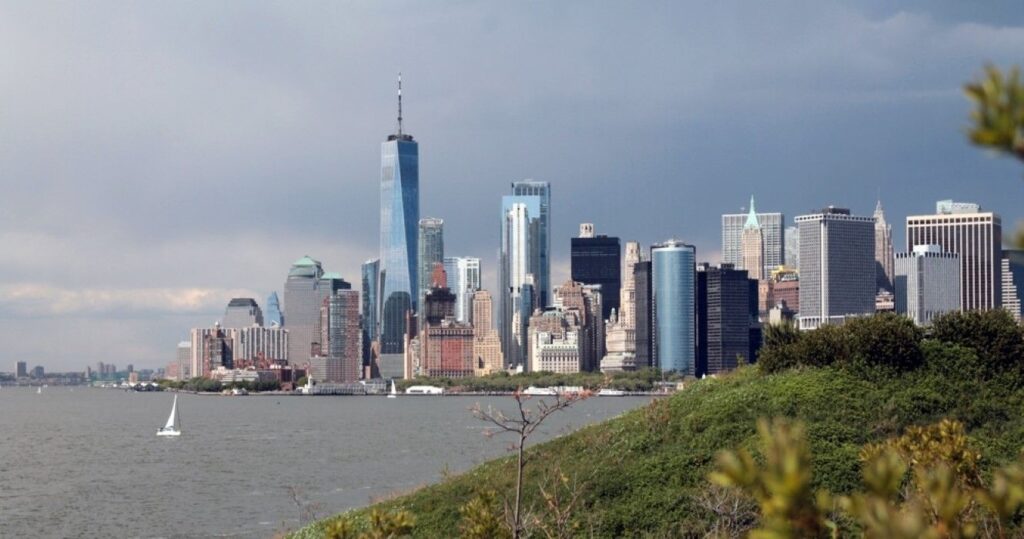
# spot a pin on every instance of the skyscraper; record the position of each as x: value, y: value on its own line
x: 523, y: 260
x: 773, y: 236
x: 340, y: 335
x: 302, y: 298
x: 1013, y: 282
x: 431, y: 251
x: 242, y: 313
x: 884, y: 260
x: 976, y: 236
x: 643, y: 314
x: 369, y: 306
x: 463, y: 280
x: 723, y: 318
x: 399, y: 217
x: 596, y: 260
x: 674, y: 287
x: 927, y: 283
x: 487, y: 356
x: 273, y: 315
x: 752, y: 246
x: 837, y: 266
x: 793, y: 246
x: 542, y: 275
x: 627, y: 294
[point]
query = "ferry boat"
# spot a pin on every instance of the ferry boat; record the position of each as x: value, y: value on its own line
x: 424, y: 390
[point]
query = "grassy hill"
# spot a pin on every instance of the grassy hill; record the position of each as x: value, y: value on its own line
x: 644, y: 473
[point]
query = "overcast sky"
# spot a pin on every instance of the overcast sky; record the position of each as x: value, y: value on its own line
x: 158, y: 158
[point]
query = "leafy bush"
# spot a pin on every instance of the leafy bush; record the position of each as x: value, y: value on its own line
x: 994, y: 336
x: 946, y: 496
x: 888, y: 341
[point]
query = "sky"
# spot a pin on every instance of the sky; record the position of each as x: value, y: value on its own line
x: 159, y: 158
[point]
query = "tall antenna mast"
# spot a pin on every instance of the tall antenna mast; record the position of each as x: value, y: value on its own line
x: 399, y: 103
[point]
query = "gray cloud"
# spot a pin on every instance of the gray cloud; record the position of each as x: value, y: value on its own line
x: 148, y: 151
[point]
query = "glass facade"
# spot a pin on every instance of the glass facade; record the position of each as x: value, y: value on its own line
x: 399, y: 217
x: 369, y: 306
x: 520, y: 264
x: 674, y: 278
x: 273, y: 314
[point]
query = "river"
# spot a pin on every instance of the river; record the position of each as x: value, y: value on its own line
x: 87, y: 462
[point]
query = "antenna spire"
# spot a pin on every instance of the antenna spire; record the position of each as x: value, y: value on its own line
x: 399, y: 103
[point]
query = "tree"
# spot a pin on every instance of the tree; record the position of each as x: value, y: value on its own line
x: 997, y: 121
x: 994, y: 336
x: 886, y: 340
x: 521, y: 424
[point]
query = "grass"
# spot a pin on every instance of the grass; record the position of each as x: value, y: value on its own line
x: 643, y: 471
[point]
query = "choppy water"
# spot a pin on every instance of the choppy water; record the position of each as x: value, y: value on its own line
x: 88, y: 463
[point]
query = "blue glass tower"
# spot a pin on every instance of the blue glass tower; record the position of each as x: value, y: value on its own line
x: 370, y: 305
x: 399, y: 217
x: 673, y: 266
x: 273, y: 314
x: 520, y: 266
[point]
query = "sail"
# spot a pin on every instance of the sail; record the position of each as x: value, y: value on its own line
x: 172, y: 421
x: 394, y: 391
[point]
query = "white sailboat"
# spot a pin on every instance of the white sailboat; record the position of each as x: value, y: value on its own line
x: 173, y: 426
x: 39, y: 390
x: 394, y: 391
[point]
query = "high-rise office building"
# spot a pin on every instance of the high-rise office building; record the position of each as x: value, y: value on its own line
x: 304, y: 292
x: 927, y: 283
x: 254, y: 345
x: 464, y: 280
x: 242, y: 313
x: 369, y: 306
x: 674, y: 287
x: 792, y: 246
x: 273, y: 316
x: 884, y: 258
x: 399, y: 218
x: 752, y: 246
x: 302, y: 298
x: 773, y: 236
x: 837, y: 266
x: 643, y: 314
x: 341, y: 341
x: 183, y: 360
x: 1013, y: 282
x: 627, y: 294
x: 723, y: 319
x: 21, y: 369
x: 522, y: 262
x: 542, y: 273
x: 596, y: 260
x: 431, y: 251
x: 976, y: 236
x: 487, y: 354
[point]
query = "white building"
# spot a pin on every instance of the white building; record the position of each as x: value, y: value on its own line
x: 974, y: 235
x: 927, y: 283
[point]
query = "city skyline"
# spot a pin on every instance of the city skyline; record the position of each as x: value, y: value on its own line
x: 122, y: 265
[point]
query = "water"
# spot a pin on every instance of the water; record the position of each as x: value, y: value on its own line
x: 88, y: 463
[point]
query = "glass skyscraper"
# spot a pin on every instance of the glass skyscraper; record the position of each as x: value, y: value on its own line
x: 463, y: 280
x: 430, y: 252
x: 370, y: 306
x: 273, y: 314
x: 399, y: 217
x: 520, y: 265
x: 542, y: 276
x: 674, y: 278
x: 596, y: 259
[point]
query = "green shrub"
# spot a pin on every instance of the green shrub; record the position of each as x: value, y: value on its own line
x: 994, y: 336
x: 888, y: 342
